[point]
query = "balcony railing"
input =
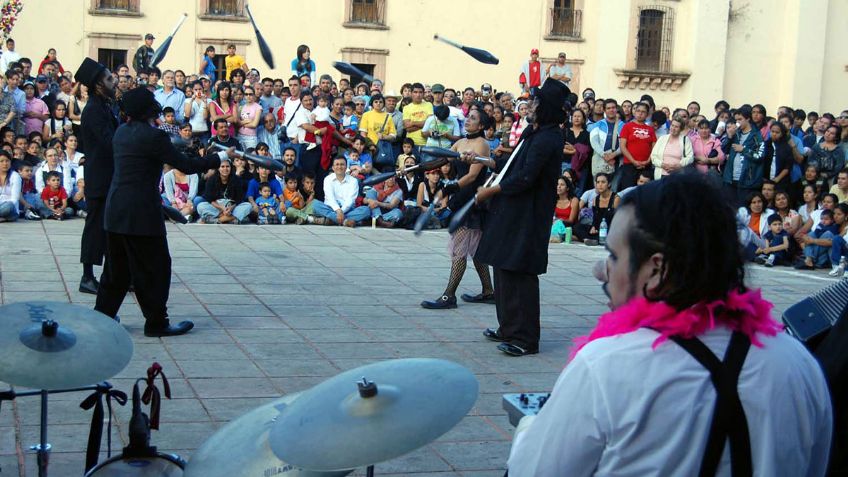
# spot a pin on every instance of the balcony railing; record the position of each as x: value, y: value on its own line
x: 370, y: 12
x: 117, y: 5
x: 566, y: 22
x: 226, y: 8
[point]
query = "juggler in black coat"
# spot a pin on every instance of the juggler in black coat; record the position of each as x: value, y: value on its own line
x: 135, y: 228
x: 516, y: 230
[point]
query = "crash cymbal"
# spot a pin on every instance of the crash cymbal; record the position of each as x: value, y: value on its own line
x: 241, y: 448
x: 373, y: 413
x: 51, y: 345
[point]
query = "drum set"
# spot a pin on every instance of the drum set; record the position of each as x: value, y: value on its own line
x: 358, y: 418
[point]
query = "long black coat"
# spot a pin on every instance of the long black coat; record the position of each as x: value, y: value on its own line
x: 97, y: 126
x: 517, y: 225
x: 134, y: 205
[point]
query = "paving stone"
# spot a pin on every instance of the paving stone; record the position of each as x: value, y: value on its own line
x: 258, y: 336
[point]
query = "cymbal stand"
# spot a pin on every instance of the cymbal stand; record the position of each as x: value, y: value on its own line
x: 43, y: 448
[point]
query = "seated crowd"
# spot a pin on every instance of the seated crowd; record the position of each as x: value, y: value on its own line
x: 786, y: 174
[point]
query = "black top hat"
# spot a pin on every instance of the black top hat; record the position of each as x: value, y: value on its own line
x: 139, y: 103
x: 89, y: 72
x: 554, y: 92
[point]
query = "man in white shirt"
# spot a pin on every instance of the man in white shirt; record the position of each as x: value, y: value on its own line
x: 559, y: 70
x: 635, y: 400
x: 9, y: 56
x: 171, y: 96
x: 291, y: 105
x: 340, y: 192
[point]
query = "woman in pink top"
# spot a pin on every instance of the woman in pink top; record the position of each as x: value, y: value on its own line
x: 673, y: 151
x: 249, y: 116
x: 519, y: 126
x: 223, y: 107
x: 707, y: 149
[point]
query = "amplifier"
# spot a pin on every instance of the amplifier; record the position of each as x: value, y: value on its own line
x: 523, y: 404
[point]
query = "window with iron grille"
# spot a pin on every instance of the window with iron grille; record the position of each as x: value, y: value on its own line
x: 367, y: 11
x: 565, y: 20
x: 225, y: 7
x: 111, y: 58
x: 117, y: 5
x: 654, y: 46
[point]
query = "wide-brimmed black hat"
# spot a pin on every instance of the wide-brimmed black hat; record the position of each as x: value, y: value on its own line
x: 139, y: 103
x: 89, y: 72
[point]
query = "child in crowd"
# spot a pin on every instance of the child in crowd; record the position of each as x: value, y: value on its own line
x: 54, y: 198
x: 170, y: 121
x: 354, y: 166
x: 294, y: 203
x: 30, y: 202
x: 350, y: 123
x: 268, y: 205
x: 78, y: 196
x: 365, y: 162
x: 406, y: 149
x: 776, y: 253
x: 815, y: 254
x: 430, y: 192
x: 494, y: 142
x: 33, y: 153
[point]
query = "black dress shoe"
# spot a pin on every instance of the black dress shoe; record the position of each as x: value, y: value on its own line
x: 479, y: 298
x: 88, y: 285
x: 516, y: 350
x: 493, y: 335
x: 444, y: 302
x: 168, y: 329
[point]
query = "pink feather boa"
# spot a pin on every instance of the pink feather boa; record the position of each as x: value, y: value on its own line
x: 745, y: 312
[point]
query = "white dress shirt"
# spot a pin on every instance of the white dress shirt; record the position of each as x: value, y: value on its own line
x: 622, y: 408
x: 340, y: 195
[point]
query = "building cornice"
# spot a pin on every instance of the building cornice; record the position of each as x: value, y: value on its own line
x: 653, y: 80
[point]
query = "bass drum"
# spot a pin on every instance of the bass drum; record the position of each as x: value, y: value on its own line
x: 241, y: 448
x: 160, y: 465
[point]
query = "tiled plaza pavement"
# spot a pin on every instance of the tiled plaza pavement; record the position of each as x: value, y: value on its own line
x: 281, y: 308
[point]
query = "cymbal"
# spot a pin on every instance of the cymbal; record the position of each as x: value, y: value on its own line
x: 373, y: 413
x: 51, y: 345
x: 241, y: 448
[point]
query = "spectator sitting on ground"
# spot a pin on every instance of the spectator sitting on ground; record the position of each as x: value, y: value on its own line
x: 30, y: 199
x: 267, y: 206
x: 180, y: 191
x: 54, y: 198
x: 755, y: 214
x: 406, y: 152
x: 410, y: 182
x: 77, y: 199
x: 10, y: 189
x: 776, y: 252
x: 263, y: 176
x: 354, y: 165
x: 340, y: 192
x: 817, y: 243
x: 430, y: 192
x: 223, y: 198
x: 289, y: 157
x: 51, y: 164
x: 601, y: 207
x: 768, y: 191
x: 791, y: 219
x: 297, y: 208
x: 828, y: 202
x: 840, y: 188
x: 565, y: 212
x: 269, y: 134
x: 385, y: 201
x: 645, y: 177
x: 365, y: 162
x: 169, y: 123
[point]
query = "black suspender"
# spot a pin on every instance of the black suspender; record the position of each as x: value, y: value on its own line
x: 728, y: 415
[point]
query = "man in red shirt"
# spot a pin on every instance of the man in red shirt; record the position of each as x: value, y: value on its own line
x: 532, y: 74
x: 637, y: 140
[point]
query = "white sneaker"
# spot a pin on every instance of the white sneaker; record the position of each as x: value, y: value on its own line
x: 30, y: 215
x: 838, y: 269
x: 770, y: 261
x: 82, y: 213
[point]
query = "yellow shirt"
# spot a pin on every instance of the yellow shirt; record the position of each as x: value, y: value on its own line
x: 372, y: 122
x: 843, y: 197
x: 233, y: 63
x: 417, y: 113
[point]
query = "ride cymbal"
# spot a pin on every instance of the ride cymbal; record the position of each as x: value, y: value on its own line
x: 51, y: 345
x: 373, y: 413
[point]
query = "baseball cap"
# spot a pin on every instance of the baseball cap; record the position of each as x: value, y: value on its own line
x: 149, y: 36
x: 40, y: 78
x: 561, y: 54
x: 534, y: 51
x: 204, y: 77
x: 486, y: 87
x: 438, y: 88
x: 29, y: 83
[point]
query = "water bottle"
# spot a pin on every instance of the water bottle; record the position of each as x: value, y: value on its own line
x: 602, y: 233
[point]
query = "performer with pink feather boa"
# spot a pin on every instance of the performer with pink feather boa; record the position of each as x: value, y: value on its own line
x: 689, y: 374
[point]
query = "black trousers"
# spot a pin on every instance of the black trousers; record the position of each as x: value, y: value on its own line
x: 629, y: 174
x: 93, y: 242
x: 517, y: 303
x: 310, y: 161
x: 147, y: 261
